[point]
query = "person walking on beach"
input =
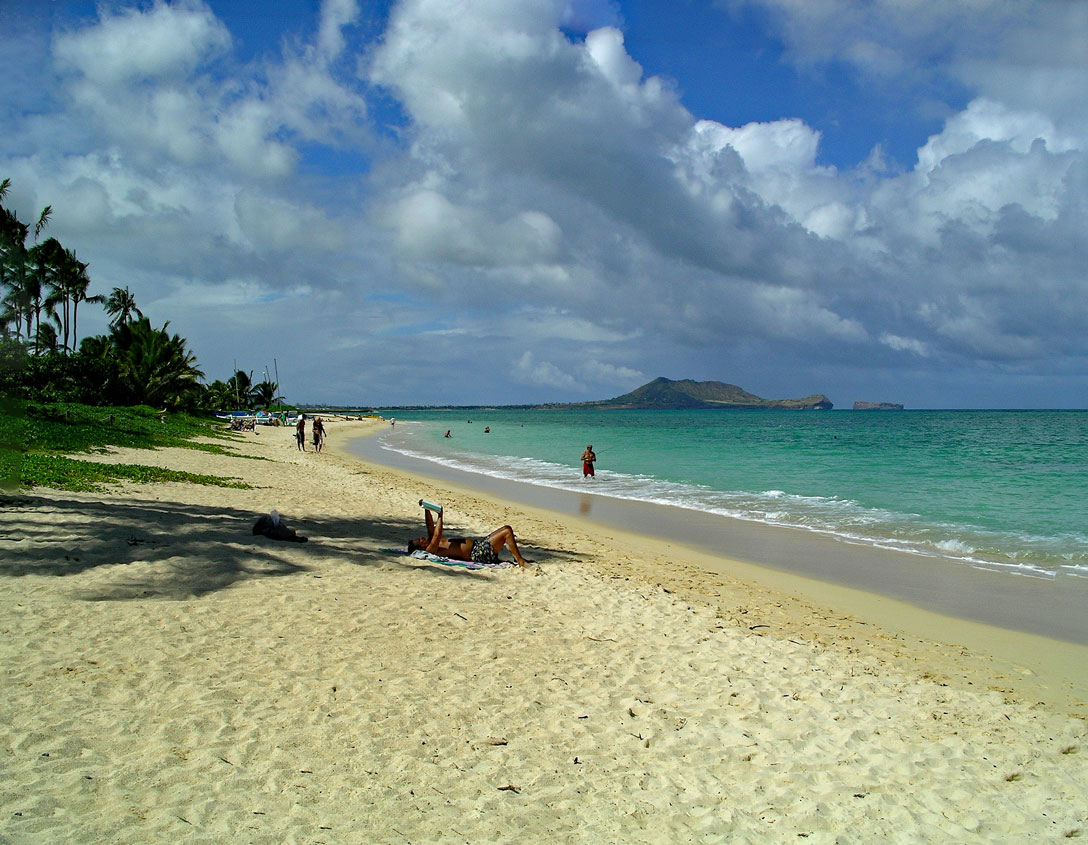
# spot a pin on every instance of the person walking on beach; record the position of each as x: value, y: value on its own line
x: 485, y: 550
x: 319, y: 434
x: 300, y: 433
x: 588, y: 457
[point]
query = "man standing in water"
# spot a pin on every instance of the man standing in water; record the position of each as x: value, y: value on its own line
x: 588, y: 457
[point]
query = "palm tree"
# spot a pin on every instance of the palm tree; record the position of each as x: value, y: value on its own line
x: 241, y: 386
x: 54, y: 278
x: 59, y: 271
x: 218, y: 396
x: 121, y: 305
x: 43, y: 219
x: 69, y: 283
x: 79, y: 294
x: 266, y: 393
x: 16, y: 300
x: 7, y: 317
x: 12, y: 229
x: 45, y: 338
x: 35, y: 283
x: 13, y: 266
x: 41, y: 264
x: 155, y: 368
x: 23, y: 299
x: 97, y: 346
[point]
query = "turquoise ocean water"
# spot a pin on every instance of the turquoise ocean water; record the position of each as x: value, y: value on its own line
x: 1003, y: 490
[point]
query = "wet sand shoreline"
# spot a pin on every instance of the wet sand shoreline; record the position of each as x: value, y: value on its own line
x: 1052, y: 608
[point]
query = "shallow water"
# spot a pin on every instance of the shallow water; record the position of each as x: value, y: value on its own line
x: 1003, y: 490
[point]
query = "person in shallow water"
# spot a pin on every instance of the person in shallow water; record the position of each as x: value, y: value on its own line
x: 588, y: 459
x: 484, y: 550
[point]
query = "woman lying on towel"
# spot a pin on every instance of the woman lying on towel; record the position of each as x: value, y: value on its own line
x: 484, y: 551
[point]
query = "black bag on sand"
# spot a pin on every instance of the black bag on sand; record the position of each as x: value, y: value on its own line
x: 272, y: 525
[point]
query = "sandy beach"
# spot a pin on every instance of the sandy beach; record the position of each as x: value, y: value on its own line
x: 170, y: 676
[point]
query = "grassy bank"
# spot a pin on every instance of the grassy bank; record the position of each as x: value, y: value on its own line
x: 39, y: 439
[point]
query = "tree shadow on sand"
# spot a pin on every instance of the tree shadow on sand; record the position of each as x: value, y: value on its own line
x: 177, y: 551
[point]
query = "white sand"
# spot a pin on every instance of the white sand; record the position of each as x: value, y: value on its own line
x: 169, y: 676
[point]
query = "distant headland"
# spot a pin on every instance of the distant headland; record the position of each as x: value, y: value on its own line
x: 666, y: 394
x: 877, y: 406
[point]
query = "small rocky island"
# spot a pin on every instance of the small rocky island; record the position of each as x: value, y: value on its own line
x: 666, y: 394
x: 877, y: 406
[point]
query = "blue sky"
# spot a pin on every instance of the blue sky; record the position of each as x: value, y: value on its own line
x: 510, y: 201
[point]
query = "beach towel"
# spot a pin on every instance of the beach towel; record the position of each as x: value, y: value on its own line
x: 419, y: 554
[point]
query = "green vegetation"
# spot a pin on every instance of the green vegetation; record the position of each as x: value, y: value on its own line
x: 41, y: 470
x: 68, y: 428
x: 37, y: 439
x: 42, y: 285
x: 61, y: 396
